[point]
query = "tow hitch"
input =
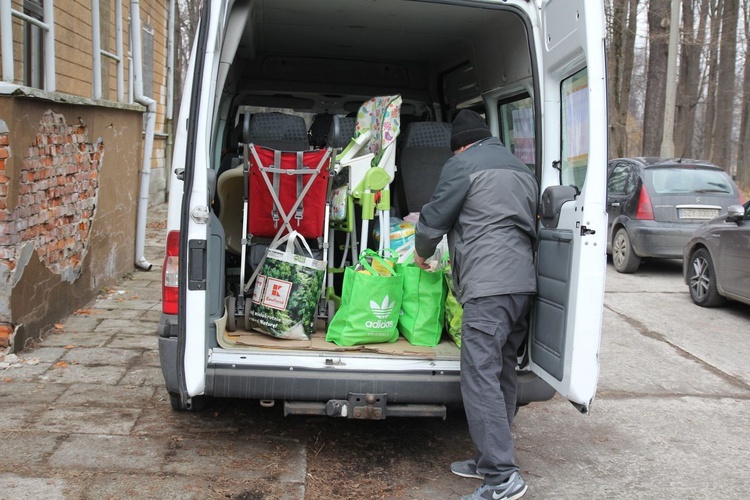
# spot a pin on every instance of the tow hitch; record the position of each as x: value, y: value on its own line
x: 366, y: 406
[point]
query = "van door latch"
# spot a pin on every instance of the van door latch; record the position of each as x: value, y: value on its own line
x: 180, y: 174
x: 586, y: 231
x: 199, y: 214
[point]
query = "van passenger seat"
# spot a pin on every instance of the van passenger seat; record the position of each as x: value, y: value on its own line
x: 279, y: 131
x: 347, y: 125
x: 425, y: 149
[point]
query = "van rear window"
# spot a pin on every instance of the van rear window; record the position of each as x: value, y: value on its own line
x: 690, y: 181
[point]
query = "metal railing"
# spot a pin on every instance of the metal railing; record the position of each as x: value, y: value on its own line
x: 47, y: 25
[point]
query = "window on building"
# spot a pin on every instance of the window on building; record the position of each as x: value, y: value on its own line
x: 33, y: 47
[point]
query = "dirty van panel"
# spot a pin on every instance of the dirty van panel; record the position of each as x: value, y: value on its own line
x: 288, y: 63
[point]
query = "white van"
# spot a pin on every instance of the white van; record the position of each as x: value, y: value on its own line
x: 534, y: 68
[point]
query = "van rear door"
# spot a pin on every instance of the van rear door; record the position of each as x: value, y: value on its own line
x: 566, y: 326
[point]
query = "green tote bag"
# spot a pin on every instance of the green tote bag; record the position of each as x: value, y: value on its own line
x: 423, y: 305
x: 370, y: 304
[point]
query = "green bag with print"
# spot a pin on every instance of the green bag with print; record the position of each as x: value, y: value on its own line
x: 370, y: 303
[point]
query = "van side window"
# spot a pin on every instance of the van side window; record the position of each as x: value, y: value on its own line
x: 575, y: 129
x: 517, y: 128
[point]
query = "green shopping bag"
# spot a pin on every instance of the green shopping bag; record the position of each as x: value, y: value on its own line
x: 370, y: 303
x: 423, y: 304
x: 454, y: 312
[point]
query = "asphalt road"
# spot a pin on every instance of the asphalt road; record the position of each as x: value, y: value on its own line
x: 85, y: 415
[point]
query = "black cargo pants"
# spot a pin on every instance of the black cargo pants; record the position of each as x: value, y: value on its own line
x: 492, y: 330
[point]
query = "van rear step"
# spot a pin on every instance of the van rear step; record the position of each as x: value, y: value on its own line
x: 363, y: 407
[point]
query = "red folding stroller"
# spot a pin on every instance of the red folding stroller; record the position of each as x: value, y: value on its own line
x: 284, y: 191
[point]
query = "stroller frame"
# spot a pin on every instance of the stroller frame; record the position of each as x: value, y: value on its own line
x: 240, y: 305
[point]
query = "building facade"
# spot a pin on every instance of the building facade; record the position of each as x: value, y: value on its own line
x: 76, y: 173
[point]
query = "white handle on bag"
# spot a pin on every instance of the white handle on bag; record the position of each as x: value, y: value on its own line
x: 291, y: 239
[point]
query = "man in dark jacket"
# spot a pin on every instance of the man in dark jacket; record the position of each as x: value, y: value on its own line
x: 486, y: 202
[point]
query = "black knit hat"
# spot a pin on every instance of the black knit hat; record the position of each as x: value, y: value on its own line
x: 468, y: 128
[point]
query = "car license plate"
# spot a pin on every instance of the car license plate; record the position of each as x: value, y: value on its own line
x: 698, y: 213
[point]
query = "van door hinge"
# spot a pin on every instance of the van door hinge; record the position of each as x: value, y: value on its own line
x: 180, y: 174
x: 199, y: 214
x: 197, y: 265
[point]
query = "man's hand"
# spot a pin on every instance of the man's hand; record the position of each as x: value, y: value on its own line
x: 420, y: 261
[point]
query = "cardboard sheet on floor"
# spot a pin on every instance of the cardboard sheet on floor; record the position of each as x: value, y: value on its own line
x: 249, y: 339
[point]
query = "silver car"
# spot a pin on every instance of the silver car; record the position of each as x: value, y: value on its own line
x: 716, y: 260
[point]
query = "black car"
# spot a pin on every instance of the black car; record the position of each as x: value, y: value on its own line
x: 716, y: 262
x: 655, y: 205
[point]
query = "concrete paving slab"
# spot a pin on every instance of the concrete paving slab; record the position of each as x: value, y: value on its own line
x: 17, y: 417
x: 149, y: 358
x: 152, y: 315
x: 143, y: 376
x: 88, y: 420
x: 128, y: 326
x: 109, y: 453
x: 78, y: 339
x: 632, y: 362
x: 131, y: 341
x: 121, y: 313
x: 44, y: 353
x: 102, y: 356
x: 236, y: 456
x: 124, y: 304
x: 25, y: 371
x: 164, y: 486
x: 29, y: 393
x: 13, y: 486
x: 160, y: 420
x: 690, y: 328
x: 26, y: 449
x: 631, y: 448
x: 107, y: 396
x: 73, y: 374
x: 81, y: 323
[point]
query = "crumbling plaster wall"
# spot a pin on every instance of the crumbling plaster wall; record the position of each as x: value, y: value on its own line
x: 68, y: 195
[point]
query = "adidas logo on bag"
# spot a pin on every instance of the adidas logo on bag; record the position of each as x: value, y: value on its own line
x: 381, y: 311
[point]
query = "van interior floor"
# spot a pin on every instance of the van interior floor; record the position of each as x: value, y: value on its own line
x: 244, y: 339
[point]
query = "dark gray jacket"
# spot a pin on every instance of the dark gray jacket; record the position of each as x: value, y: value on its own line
x: 486, y: 202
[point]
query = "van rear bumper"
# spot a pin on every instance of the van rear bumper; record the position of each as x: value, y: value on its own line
x: 413, y: 387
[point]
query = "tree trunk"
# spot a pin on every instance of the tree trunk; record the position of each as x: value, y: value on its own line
x: 712, y: 65
x: 743, y: 154
x: 621, y: 55
x: 721, y: 152
x: 658, y: 34
x: 690, y: 76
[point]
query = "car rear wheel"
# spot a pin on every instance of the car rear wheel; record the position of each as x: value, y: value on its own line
x: 703, y: 288
x: 623, y: 257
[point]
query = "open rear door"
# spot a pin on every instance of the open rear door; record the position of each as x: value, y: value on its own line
x: 571, y: 259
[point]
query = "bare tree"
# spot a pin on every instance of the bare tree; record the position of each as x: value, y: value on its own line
x: 187, y: 15
x: 623, y: 16
x: 658, y: 32
x: 688, y: 89
x: 712, y: 77
x: 743, y: 153
x: 721, y: 150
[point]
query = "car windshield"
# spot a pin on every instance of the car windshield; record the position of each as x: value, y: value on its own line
x: 690, y: 180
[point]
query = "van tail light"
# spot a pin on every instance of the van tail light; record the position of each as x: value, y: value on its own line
x: 645, y: 210
x: 170, y: 277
